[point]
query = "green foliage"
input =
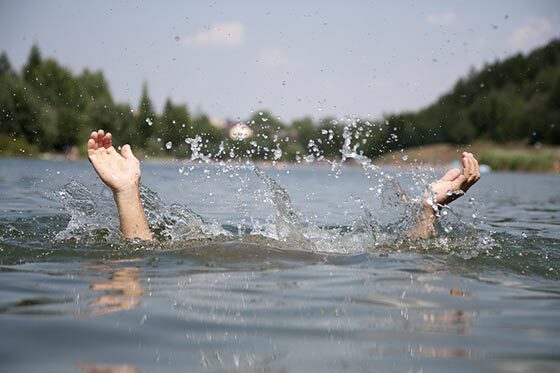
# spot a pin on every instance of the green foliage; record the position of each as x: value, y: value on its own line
x: 516, y: 99
x: 174, y: 126
x: 5, y: 66
x: 47, y: 107
x: 145, y: 120
x: 519, y: 160
x: 16, y: 147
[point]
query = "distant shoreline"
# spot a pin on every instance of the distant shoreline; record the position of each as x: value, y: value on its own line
x: 507, y: 157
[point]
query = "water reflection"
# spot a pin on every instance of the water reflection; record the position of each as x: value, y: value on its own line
x: 121, y: 291
x: 455, y: 321
x: 443, y: 352
x: 455, y: 292
x: 101, y: 368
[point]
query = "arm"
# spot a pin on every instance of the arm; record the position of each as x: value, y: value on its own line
x: 455, y: 181
x: 121, y: 173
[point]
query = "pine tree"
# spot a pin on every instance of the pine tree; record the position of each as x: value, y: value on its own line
x: 146, y: 119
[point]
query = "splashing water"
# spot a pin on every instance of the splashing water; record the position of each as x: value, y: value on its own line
x: 288, y: 225
x: 382, y: 230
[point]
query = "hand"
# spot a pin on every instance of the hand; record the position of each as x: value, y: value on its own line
x: 120, y: 172
x: 455, y: 182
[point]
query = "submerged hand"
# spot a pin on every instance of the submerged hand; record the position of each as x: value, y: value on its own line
x: 455, y: 182
x: 120, y: 172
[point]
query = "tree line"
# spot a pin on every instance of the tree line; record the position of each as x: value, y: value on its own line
x: 49, y: 107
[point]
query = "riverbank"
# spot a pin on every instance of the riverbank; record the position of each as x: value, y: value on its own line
x: 506, y: 157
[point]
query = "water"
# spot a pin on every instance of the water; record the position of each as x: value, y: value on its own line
x: 305, y: 268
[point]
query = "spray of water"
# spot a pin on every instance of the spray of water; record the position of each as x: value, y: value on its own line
x: 384, y: 230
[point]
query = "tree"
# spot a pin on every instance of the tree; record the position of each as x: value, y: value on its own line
x: 174, y: 127
x: 33, y: 61
x: 331, y: 137
x: 5, y: 66
x: 304, y: 130
x: 94, y: 86
x: 145, y: 119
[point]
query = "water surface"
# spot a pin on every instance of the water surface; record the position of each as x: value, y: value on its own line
x: 245, y: 279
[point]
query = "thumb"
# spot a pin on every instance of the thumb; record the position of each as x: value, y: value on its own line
x: 451, y: 174
x: 457, y: 183
x: 126, y: 152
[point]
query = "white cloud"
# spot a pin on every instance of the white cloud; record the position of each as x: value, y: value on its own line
x: 444, y: 19
x: 227, y: 34
x: 276, y: 59
x: 535, y: 31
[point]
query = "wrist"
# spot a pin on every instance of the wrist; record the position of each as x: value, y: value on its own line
x: 127, y: 193
x: 428, y: 212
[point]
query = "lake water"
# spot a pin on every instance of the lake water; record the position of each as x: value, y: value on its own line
x: 249, y: 276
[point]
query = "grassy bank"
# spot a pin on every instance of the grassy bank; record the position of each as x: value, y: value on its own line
x: 17, y: 147
x: 510, y: 157
x: 546, y: 160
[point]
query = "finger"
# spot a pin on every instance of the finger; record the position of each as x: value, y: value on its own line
x: 458, y: 183
x: 472, y: 168
x: 108, y: 140
x: 91, y: 147
x: 476, y: 167
x: 126, y: 152
x: 468, y: 165
x: 465, y: 163
x: 100, y: 136
x: 93, y: 137
x: 451, y: 174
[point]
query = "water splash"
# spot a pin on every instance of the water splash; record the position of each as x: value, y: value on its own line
x: 94, y: 217
x: 175, y: 221
x: 91, y: 215
x: 288, y: 225
x: 368, y: 231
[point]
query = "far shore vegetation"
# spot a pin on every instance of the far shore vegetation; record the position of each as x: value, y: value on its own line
x: 508, y: 112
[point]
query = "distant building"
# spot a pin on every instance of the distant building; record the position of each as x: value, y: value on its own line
x: 218, y: 123
x: 240, y: 131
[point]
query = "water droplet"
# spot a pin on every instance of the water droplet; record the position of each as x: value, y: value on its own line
x: 405, y: 158
x: 149, y: 121
x: 177, y: 38
x: 168, y: 145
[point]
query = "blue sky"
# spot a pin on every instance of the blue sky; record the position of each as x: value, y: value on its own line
x: 227, y: 58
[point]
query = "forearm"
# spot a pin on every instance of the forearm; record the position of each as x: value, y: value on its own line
x: 425, y: 224
x: 132, y: 218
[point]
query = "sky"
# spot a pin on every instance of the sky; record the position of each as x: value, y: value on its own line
x: 295, y: 58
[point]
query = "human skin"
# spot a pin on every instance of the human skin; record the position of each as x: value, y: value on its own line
x: 121, y: 173
x: 455, y: 181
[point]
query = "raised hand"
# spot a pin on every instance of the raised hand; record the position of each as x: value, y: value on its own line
x: 455, y: 182
x: 447, y: 189
x: 120, y: 172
